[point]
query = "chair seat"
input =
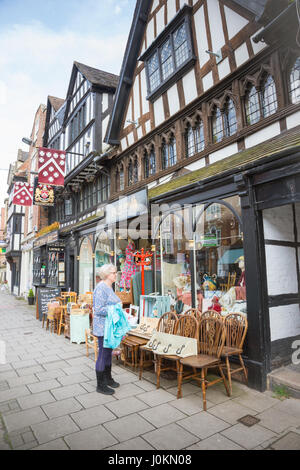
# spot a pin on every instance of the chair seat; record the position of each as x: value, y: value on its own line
x: 165, y: 356
x: 202, y: 360
x: 228, y: 351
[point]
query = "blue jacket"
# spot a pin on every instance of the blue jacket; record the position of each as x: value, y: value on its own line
x: 116, y: 326
x: 103, y: 297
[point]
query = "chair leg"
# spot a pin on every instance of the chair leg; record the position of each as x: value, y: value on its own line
x: 180, y: 371
x: 141, y: 364
x: 158, y: 371
x: 229, y: 374
x: 203, y: 389
x: 244, y: 368
x: 229, y: 391
x: 60, y: 323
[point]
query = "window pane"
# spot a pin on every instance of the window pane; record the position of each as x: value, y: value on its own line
x: 190, y: 144
x: 230, y: 119
x: 167, y: 60
x: 122, y: 182
x: 164, y: 156
x: 199, y: 137
x: 269, y: 98
x: 146, y: 165
x: 217, y: 126
x: 152, y: 162
x: 154, y: 76
x: 172, y: 151
x: 252, y: 106
x: 181, y: 45
x: 295, y: 83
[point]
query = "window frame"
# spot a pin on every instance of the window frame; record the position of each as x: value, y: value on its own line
x: 182, y: 17
x: 291, y: 91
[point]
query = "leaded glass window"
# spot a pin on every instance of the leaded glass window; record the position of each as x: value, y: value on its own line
x: 190, y: 143
x: 252, y: 106
x: 199, y: 137
x: 217, y: 125
x: 195, y: 141
x: 269, y: 98
x: 295, y: 83
x: 169, y: 157
x: 121, y: 179
x: 153, y: 70
x: 167, y: 60
x: 230, y: 122
x: 181, y: 46
x: 149, y: 163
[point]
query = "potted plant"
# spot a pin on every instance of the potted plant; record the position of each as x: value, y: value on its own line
x: 30, y: 297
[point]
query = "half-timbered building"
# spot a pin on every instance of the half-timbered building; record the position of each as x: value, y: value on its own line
x: 206, y: 117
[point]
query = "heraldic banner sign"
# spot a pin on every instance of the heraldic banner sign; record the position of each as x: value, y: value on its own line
x: 52, y: 167
x: 43, y: 194
x: 23, y: 194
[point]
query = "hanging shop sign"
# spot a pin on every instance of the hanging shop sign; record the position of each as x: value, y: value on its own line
x: 127, y: 208
x: 43, y: 194
x: 52, y: 167
x: 23, y: 194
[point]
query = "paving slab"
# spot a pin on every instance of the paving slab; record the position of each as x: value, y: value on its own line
x: 89, y: 400
x: 291, y: 441
x: 53, y: 429
x: 126, y: 406
x: 127, y: 390
x: 128, y: 427
x: 156, y: 397
x: 216, y: 442
x: 68, y: 391
x: 171, y: 437
x: 290, y: 406
x: 61, y: 408
x: 58, y: 444
x: 72, y: 379
x: 249, y: 438
x: 37, y: 399
x: 277, y: 421
x: 91, y: 439
x: 92, y: 417
x: 25, y: 380
x: 44, y: 386
x: 162, y: 415
x: 203, y: 424
x: 231, y: 411
x: 14, y: 393
x: 25, y: 418
x: 256, y: 401
x: 137, y: 443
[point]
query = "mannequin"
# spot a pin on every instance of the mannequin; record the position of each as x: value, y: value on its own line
x: 130, y: 267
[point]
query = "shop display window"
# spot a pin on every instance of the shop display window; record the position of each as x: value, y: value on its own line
x: 102, y: 254
x: 86, y: 267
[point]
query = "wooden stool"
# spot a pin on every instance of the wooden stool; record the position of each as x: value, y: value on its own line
x: 130, y: 346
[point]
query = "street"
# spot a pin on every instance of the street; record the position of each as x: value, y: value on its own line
x: 48, y: 401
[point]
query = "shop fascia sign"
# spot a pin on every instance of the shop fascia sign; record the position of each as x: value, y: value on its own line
x: 210, y: 241
x: 127, y: 207
x: 47, y: 239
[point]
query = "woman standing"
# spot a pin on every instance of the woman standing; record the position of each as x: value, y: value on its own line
x: 103, y: 297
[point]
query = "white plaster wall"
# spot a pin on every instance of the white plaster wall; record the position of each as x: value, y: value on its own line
x: 159, y: 111
x: 160, y: 21
x: 201, y: 36
x: 278, y: 223
x: 257, y: 47
x: 173, y: 99
x: 216, y: 26
x: 208, y: 81
x: 196, y: 165
x: 145, y: 102
x: 123, y: 144
x: 129, y: 114
x: 190, y: 87
x: 284, y: 322
x: 130, y: 138
x: 241, y: 55
x: 263, y: 135
x: 104, y: 102
x: 224, y: 68
x: 281, y: 270
x: 235, y: 22
x: 150, y: 32
x: 293, y: 120
x: 136, y: 95
x: 104, y: 126
x: 155, y: 5
x: 171, y: 9
x: 223, y: 153
x: 148, y: 126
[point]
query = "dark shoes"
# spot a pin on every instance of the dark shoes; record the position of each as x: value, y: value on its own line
x: 102, y: 384
x: 109, y: 380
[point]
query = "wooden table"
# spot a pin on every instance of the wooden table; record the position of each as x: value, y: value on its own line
x: 131, y: 345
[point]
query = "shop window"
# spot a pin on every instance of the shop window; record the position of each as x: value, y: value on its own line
x: 194, y: 138
x: 294, y: 83
x: 169, y: 157
x: 149, y: 163
x: 102, y: 254
x: 86, y: 267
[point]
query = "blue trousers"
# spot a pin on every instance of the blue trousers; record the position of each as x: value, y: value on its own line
x: 104, y: 356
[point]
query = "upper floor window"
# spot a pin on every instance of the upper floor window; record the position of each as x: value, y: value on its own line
x: 261, y: 102
x: 171, y: 52
x: 121, y: 179
x: 217, y: 126
x: 194, y: 138
x: 169, y: 157
x: 294, y: 83
x: 77, y: 124
x: 149, y: 163
x: 224, y: 122
x: 230, y: 121
x: 68, y: 207
x: 132, y: 172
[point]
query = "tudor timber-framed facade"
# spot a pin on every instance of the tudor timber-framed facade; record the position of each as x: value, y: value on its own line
x: 244, y: 101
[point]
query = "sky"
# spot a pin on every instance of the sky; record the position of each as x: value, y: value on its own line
x: 39, y: 42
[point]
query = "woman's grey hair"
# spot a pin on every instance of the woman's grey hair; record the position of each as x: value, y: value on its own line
x: 106, y: 270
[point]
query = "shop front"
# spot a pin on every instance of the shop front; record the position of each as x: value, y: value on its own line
x: 49, y: 261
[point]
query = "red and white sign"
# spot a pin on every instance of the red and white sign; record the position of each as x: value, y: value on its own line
x: 23, y: 194
x: 52, y: 166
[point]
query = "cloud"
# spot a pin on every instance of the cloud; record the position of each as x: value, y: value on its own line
x: 36, y: 61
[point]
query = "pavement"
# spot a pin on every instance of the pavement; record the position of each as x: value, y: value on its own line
x: 48, y: 402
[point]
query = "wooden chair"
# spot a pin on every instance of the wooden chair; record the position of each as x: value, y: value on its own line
x: 69, y: 297
x: 167, y: 324
x: 186, y: 326
x: 91, y: 341
x: 53, y: 315
x: 225, y: 286
x: 210, y: 347
x: 195, y: 312
x: 211, y: 314
x: 236, y: 326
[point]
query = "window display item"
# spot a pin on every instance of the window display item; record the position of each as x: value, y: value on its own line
x: 173, y: 345
x: 146, y: 328
x: 210, y: 282
x: 154, y: 303
x: 242, y: 280
x: 130, y: 268
x: 216, y: 306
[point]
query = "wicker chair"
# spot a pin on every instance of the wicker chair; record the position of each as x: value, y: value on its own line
x: 210, y: 347
x: 186, y: 326
x: 167, y: 324
x: 236, y: 326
